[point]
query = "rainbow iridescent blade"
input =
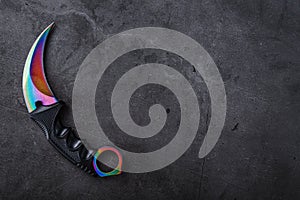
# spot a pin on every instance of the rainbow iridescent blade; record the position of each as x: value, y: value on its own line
x: 35, y: 86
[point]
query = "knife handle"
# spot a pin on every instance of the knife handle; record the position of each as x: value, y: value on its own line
x: 64, y: 139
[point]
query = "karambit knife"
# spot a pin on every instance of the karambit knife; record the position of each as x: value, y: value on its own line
x: 44, y: 108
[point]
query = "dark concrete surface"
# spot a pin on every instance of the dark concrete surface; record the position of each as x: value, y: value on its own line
x: 256, y: 46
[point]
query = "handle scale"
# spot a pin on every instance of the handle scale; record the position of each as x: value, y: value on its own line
x: 64, y: 139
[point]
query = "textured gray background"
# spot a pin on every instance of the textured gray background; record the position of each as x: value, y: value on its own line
x: 255, y: 44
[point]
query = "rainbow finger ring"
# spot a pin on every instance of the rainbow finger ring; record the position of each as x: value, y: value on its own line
x: 116, y: 170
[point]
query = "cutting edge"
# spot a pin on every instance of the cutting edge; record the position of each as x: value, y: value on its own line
x: 35, y: 85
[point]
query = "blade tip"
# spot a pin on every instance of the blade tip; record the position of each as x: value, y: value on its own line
x: 52, y: 25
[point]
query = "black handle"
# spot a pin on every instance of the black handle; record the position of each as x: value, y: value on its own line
x: 64, y: 139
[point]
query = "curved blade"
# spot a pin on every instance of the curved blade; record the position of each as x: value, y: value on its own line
x: 35, y: 86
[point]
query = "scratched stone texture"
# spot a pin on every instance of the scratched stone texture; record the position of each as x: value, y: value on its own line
x: 256, y: 46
